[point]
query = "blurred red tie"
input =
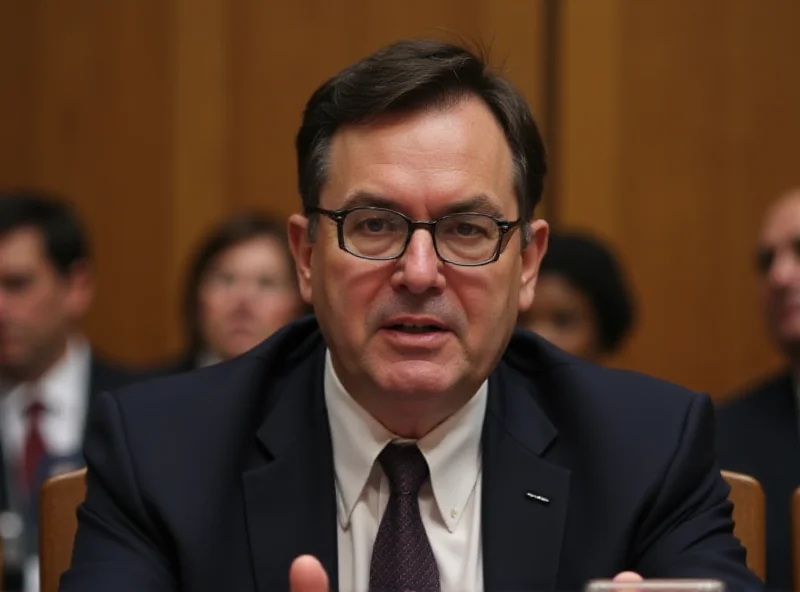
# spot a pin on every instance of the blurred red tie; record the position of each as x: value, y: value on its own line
x: 33, y: 450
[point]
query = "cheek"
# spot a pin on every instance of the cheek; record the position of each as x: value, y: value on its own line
x: 490, y: 302
x: 42, y: 308
x: 210, y: 309
x: 278, y: 309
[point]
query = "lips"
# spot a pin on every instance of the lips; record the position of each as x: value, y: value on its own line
x: 415, y: 325
x: 414, y: 328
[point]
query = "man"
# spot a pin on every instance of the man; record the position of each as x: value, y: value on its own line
x: 758, y: 430
x: 408, y: 439
x: 241, y: 288
x: 48, y: 371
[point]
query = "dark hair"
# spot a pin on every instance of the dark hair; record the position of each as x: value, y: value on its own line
x: 63, y: 234
x: 412, y: 75
x: 232, y: 232
x: 591, y: 267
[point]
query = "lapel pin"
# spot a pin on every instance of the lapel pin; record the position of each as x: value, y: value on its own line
x: 537, y: 497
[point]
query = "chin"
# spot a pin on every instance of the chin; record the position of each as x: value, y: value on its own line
x: 417, y: 378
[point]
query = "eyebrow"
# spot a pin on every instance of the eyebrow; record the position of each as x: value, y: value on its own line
x: 479, y: 203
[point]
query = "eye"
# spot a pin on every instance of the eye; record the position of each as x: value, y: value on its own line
x: 764, y: 258
x: 374, y: 224
x: 466, y: 229
x: 16, y: 284
x: 267, y: 282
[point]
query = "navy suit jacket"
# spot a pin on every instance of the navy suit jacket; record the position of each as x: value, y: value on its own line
x: 217, y: 479
x: 758, y: 434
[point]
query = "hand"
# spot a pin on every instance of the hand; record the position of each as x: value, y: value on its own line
x: 307, y: 575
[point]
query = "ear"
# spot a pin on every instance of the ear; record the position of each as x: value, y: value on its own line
x: 79, y: 282
x: 531, y: 260
x: 301, y: 248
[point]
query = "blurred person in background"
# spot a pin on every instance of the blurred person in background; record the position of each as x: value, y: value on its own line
x: 583, y: 304
x: 758, y: 430
x: 241, y: 288
x: 49, y: 373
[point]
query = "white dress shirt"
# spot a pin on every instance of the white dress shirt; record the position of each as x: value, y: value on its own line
x: 450, y: 502
x: 64, y: 392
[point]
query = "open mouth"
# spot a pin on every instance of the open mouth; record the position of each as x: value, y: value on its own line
x: 414, y: 328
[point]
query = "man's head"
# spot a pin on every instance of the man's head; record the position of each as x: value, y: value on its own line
x: 423, y: 129
x: 778, y: 262
x: 45, y: 282
x: 242, y: 286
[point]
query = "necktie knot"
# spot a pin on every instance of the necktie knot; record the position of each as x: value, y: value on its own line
x: 405, y: 468
x: 35, y: 410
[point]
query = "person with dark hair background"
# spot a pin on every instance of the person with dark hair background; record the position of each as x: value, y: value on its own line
x: 241, y: 287
x: 583, y: 303
x: 49, y: 373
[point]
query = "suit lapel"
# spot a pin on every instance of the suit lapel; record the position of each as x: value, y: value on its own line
x: 524, y: 504
x: 290, y: 499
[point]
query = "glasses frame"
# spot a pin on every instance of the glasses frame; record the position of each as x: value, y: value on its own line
x: 505, y: 229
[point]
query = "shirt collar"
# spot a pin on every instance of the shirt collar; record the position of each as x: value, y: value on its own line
x: 452, y: 450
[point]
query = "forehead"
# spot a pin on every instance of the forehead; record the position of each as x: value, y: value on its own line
x: 22, y: 248
x: 424, y: 160
x: 261, y: 251
x: 782, y: 222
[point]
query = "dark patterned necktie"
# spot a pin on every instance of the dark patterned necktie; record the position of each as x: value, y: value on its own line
x: 402, y: 558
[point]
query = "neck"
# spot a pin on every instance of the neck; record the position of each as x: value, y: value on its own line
x: 410, y: 416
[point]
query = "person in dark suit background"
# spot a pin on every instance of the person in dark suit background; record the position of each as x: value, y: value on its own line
x: 583, y: 302
x: 241, y: 287
x: 49, y: 373
x: 757, y: 429
x: 406, y: 437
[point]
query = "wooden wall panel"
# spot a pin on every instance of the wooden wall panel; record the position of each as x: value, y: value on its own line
x: 677, y: 128
x: 158, y: 117
x: 91, y: 123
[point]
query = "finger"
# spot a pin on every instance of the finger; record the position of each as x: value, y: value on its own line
x: 307, y: 575
x: 626, y: 577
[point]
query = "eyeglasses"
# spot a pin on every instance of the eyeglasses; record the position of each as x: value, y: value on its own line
x: 470, y: 239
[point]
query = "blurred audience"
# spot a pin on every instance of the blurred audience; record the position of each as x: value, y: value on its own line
x: 582, y: 304
x: 49, y: 373
x: 241, y: 288
x: 758, y: 431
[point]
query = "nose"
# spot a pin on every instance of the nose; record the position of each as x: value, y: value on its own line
x: 418, y: 270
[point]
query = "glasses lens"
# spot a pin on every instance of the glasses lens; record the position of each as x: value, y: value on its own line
x: 467, y: 238
x: 375, y: 233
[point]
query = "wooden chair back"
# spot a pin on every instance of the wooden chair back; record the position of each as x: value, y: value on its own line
x: 58, y: 504
x: 749, y: 517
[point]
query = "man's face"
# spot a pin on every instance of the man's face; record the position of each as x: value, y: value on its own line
x: 424, y: 165
x: 564, y: 316
x: 247, y: 294
x: 39, y: 307
x: 779, y: 265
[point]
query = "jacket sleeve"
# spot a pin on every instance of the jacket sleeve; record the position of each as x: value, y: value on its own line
x: 118, y: 545
x: 687, y: 529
